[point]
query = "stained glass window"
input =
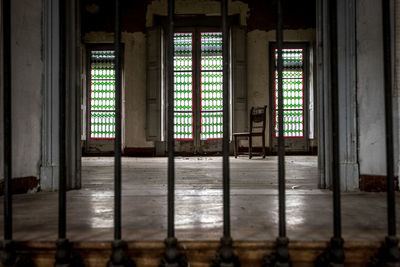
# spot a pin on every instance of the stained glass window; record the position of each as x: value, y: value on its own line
x: 210, y: 102
x: 102, y: 94
x: 183, y: 86
x: 293, y: 93
x: 211, y: 85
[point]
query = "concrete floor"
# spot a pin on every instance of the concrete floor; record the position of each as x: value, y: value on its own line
x: 254, y: 203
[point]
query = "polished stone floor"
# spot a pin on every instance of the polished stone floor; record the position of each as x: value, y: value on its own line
x: 254, y: 203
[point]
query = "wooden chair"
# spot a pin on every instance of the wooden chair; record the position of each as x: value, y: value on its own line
x: 257, y: 128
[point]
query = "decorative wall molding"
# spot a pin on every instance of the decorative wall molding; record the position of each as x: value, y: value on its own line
x: 348, y: 139
x: 49, y: 170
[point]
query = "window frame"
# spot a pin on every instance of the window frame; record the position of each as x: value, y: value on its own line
x: 156, y: 38
x: 195, y: 145
x: 294, y: 144
x: 100, y: 145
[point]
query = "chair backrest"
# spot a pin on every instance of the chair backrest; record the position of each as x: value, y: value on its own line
x: 258, y: 117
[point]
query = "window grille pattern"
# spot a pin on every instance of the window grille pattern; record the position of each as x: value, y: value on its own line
x: 102, y: 124
x: 293, y: 93
x: 183, y: 86
x: 102, y: 94
x: 211, y: 86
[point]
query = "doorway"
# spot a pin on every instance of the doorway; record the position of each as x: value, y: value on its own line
x: 295, y: 97
x: 100, y: 123
x: 198, y: 90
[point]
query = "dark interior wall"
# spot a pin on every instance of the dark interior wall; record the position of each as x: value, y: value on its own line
x: 98, y: 15
x: 296, y: 14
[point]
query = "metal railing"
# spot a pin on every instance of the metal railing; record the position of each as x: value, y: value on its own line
x: 389, y: 253
x: 118, y: 255
x: 63, y: 252
x: 281, y: 257
x: 171, y: 256
x: 225, y: 256
x: 335, y: 252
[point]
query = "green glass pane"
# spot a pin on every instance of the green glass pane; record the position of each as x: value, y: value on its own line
x: 102, y: 94
x: 293, y: 92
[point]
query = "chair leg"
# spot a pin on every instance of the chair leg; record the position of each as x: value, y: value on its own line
x: 263, y: 144
x: 250, y: 146
x: 236, y: 147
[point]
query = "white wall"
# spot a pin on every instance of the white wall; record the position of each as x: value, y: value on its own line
x: 26, y: 23
x: 372, y: 151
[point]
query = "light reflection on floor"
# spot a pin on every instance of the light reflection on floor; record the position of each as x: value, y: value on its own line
x: 102, y: 212
x: 295, y: 214
x: 195, y: 212
x: 198, y: 203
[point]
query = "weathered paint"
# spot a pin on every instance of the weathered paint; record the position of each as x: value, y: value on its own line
x: 26, y: 42
x: 135, y: 90
x: 371, y: 127
x: 134, y: 85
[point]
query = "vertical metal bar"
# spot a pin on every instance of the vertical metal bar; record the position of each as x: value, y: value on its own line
x: 118, y: 255
x: 281, y: 257
x: 281, y: 138
x: 389, y: 254
x: 171, y: 140
x: 335, y: 253
x: 225, y: 140
x: 320, y: 96
x: 337, y: 220
x: 225, y: 255
x: 117, y: 141
x: 62, y: 208
x: 6, y: 14
x: 172, y: 257
x: 63, y: 252
x: 387, y: 59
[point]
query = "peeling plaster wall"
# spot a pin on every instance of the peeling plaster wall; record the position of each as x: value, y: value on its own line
x: 27, y: 86
x: 135, y: 91
x: 372, y: 155
x: 26, y: 42
x: 258, y: 66
x: 134, y: 84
